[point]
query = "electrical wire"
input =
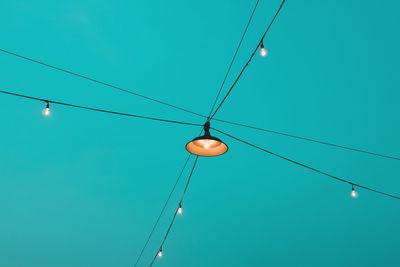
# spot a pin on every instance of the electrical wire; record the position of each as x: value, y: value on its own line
x: 162, y: 211
x: 248, y: 61
x: 308, y: 166
x: 175, y: 211
x: 158, y: 219
x: 188, y: 181
x: 192, y: 112
x: 194, y: 124
x: 210, y: 117
x: 310, y: 140
x: 98, y: 82
x: 97, y: 109
x: 234, y: 56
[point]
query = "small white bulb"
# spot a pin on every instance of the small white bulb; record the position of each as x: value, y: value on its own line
x: 263, y: 51
x: 160, y: 253
x: 179, y: 211
x: 46, y: 111
x: 354, y: 193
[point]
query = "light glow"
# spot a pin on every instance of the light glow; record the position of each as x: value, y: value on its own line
x: 46, y: 111
x: 179, y: 210
x: 354, y: 193
x: 206, y: 145
x: 263, y: 51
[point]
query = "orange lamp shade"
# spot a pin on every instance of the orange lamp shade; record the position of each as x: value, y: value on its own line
x: 207, y: 145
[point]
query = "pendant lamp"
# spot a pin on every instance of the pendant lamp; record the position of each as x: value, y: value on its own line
x: 207, y: 145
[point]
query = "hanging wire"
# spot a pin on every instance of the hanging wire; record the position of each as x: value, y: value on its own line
x: 310, y: 140
x: 189, y: 111
x: 175, y: 213
x: 194, y: 124
x: 99, y: 82
x: 98, y: 110
x: 180, y: 203
x: 211, y: 116
x: 188, y: 181
x: 234, y: 57
x: 141, y: 95
x: 192, y: 112
x: 162, y: 211
x: 248, y: 61
x: 308, y: 166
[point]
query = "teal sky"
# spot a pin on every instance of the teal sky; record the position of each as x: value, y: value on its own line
x: 83, y: 189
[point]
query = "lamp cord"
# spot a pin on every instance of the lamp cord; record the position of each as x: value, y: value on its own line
x: 308, y: 166
x: 234, y: 57
x: 248, y: 61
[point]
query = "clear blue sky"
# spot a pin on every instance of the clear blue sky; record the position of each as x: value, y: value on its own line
x: 83, y: 189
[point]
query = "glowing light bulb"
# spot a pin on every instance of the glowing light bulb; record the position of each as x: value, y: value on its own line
x: 354, y: 193
x: 179, y: 211
x: 46, y: 110
x: 263, y: 51
x: 207, y: 144
x: 160, y: 253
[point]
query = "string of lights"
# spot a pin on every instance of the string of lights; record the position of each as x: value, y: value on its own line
x: 353, y: 184
x: 310, y: 140
x: 180, y: 208
x: 178, y: 211
x: 47, y: 111
x: 162, y: 210
x: 234, y: 57
x: 263, y: 53
x: 119, y: 88
x: 205, y: 145
x: 109, y: 85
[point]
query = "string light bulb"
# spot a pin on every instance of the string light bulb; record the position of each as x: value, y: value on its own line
x: 46, y: 111
x: 160, y: 253
x: 179, y: 211
x: 263, y: 50
x: 354, y: 193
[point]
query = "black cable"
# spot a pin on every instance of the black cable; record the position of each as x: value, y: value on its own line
x: 195, y: 113
x: 99, y: 82
x: 162, y: 211
x: 192, y: 112
x: 247, y: 63
x: 194, y: 124
x: 175, y: 211
x: 308, y: 167
x: 98, y: 110
x: 234, y: 56
x: 158, y: 219
x: 309, y: 140
x: 188, y: 181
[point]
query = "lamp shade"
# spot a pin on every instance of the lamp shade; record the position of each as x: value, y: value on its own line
x: 207, y: 145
